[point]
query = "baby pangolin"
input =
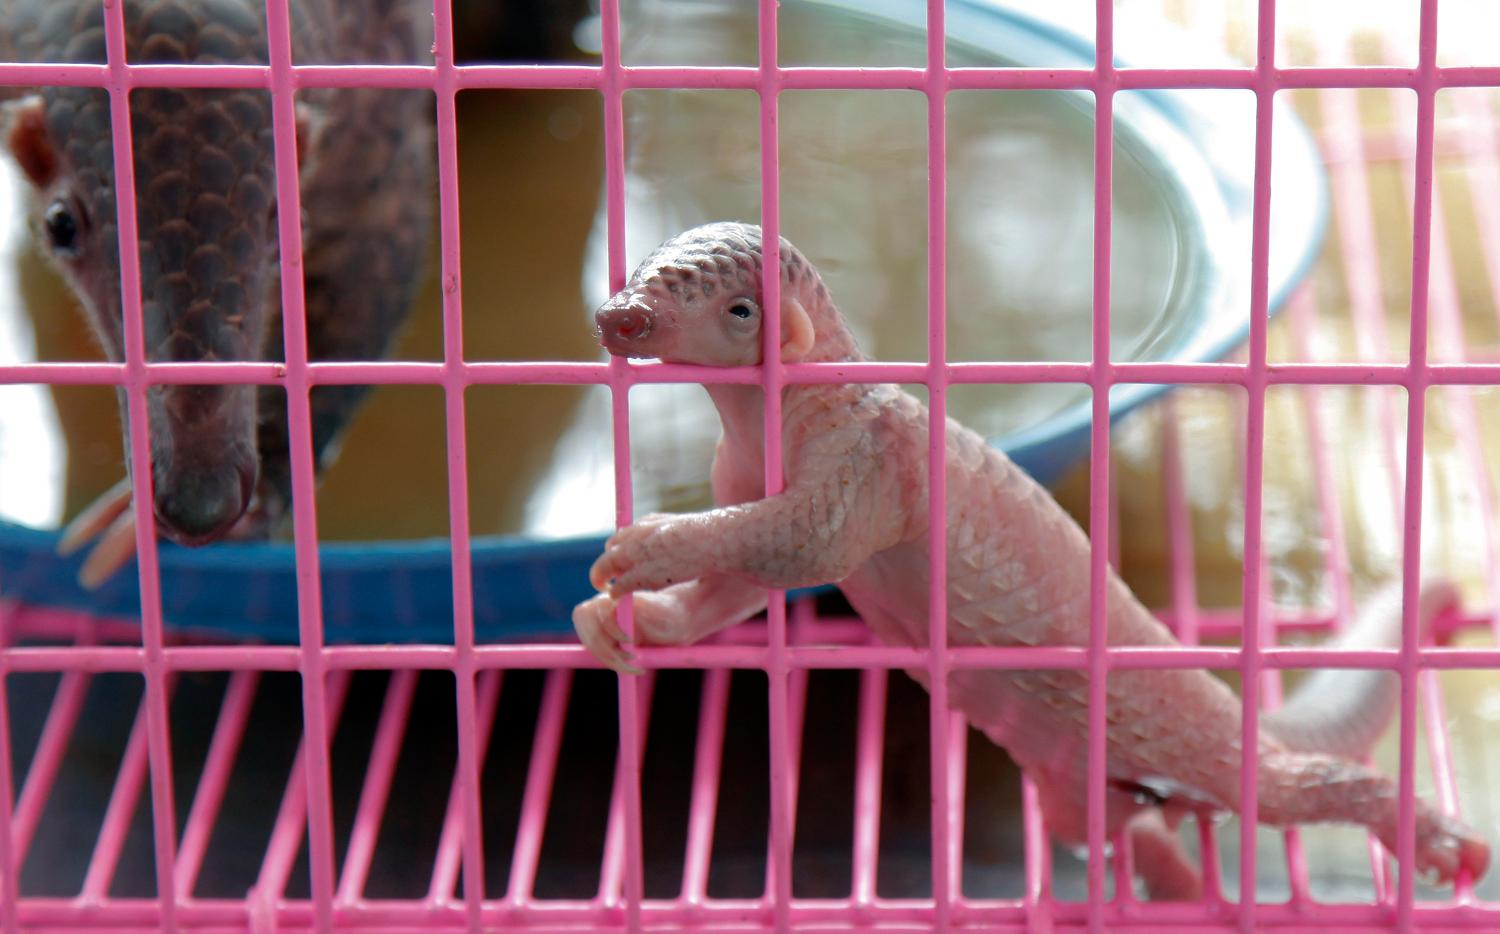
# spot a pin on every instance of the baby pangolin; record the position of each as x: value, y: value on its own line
x: 855, y: 512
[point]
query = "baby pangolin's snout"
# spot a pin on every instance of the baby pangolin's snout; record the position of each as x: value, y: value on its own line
x: 625, y: 324
x: 630, y: 325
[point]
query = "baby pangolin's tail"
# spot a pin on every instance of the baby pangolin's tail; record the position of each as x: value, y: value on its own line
x: 1343, y: 711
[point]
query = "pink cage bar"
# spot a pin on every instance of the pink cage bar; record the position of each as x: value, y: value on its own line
x: 337, y: 898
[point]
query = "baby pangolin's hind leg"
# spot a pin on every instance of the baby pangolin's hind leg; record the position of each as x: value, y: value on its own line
x: 1299, y: 788
x: 1157, y: 853
x: 1161, y: 860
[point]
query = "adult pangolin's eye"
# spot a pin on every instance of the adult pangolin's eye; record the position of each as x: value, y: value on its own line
x: 62, y: 228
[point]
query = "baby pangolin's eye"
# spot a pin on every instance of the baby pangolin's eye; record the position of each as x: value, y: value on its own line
x: 741, y: 309
x: 62, y: 228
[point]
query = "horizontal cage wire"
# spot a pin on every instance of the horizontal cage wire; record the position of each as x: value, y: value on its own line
x: 777, y: 775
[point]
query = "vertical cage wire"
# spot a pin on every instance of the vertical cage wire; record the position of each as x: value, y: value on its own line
x: 1100, y: 380
x: 768, y: 87
x: 470, y: 739
x: 135, y: 383
x: 946, y: 823
x: 10, y: 888
x: 1252, y: 592
x: 1416, y: 401
x: 631, y: 702
x: 316, y: 737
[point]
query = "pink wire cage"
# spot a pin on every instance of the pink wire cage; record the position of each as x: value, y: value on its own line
x: 336, y: 897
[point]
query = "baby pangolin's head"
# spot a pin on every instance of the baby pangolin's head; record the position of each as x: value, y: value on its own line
x: 698, y: 299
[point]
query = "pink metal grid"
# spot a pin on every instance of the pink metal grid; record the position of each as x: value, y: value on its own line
x: 785, y: 649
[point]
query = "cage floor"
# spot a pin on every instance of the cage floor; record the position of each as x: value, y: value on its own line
x: 549, y: 790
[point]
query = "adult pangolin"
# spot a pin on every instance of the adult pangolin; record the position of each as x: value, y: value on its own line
x: 206, y: 187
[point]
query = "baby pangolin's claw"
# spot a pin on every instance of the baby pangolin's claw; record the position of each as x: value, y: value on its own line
x: 111, y: 520
x: 600, y: 632
x: 1448, y: 848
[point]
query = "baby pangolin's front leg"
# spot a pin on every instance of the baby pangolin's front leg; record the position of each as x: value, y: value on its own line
x: 841, y: 507
x: 679, y: 615
x: 816, y: 532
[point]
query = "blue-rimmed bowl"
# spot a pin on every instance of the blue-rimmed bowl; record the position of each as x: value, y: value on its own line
x: 401, y: 591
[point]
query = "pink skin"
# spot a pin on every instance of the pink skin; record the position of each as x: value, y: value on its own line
x: 855, y: 512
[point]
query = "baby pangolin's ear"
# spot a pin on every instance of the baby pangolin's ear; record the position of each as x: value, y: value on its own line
x: 796, y: 331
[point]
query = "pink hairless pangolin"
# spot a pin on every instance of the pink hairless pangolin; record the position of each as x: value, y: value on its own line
x: 854, y: 511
